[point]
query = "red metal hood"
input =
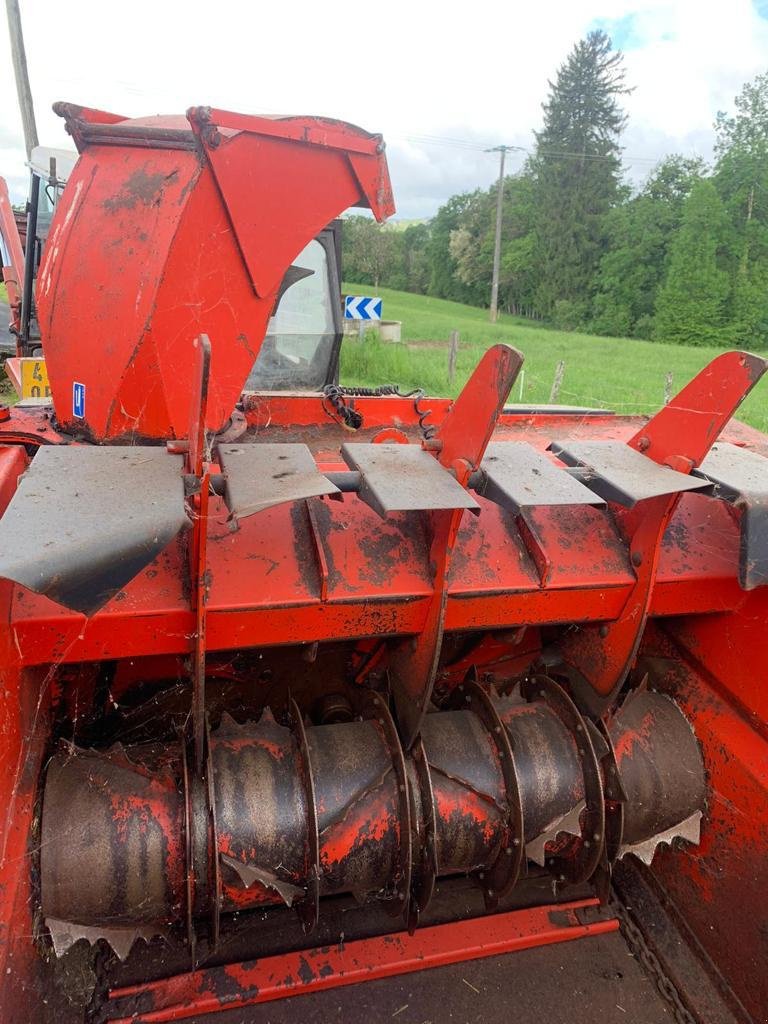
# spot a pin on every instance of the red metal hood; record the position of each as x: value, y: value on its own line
x: 170, y: 228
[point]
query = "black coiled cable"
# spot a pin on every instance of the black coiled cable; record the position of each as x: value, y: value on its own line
x: 336, y: 395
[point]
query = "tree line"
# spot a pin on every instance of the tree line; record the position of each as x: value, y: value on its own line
x: 682, y: 259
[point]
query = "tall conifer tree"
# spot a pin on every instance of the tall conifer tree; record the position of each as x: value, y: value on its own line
x: 578, y: 171
x: 691, y: 306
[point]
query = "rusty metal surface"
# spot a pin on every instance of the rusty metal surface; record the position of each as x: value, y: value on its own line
x: 245, y: 984
x: 700, y: 988
x: 261, y: 813
x: 598, y: 980
x: 620, y: 474
x: 519, y: 477
x: 661, y: 771
x: 741, y: 478
x: 112, y: 845
x: 258, y: 476
x: 84, y: 521
x: 404, y: 478
x: 479, y: 807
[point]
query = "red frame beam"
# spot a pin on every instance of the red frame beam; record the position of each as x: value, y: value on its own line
x: 315, y: 970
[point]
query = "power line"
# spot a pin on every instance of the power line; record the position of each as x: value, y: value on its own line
x: 478, y: 147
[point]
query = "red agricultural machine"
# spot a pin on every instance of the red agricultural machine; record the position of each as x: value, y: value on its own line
x: 314, y: 688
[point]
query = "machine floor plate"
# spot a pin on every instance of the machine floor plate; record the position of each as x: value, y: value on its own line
x: 595, y: 979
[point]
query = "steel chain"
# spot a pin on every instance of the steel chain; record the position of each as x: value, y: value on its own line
x: 640, y: 948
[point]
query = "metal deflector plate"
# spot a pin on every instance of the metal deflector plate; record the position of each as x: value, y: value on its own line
x: 740, y: 477
x: 518, y: 477
x: 404, y: 478
x: 621, y: 474
x: 85, y: 520
x: 259, y: 476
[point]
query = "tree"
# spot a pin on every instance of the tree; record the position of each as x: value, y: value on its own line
x: 639, y: 234
x: 690, y: 309
x: 369, y: 252
x: 741, y: 174
x: 444, y: 282
x: 577, y: 170
x: 416, y: 268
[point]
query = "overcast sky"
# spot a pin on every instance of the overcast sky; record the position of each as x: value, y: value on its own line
x: 441, y: 81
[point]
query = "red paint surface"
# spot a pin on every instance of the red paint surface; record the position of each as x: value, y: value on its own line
x: 278, y: 977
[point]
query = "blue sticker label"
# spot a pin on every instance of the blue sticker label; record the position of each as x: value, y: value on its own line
x: 78, y: 400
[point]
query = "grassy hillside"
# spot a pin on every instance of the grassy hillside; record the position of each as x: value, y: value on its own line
x: 615, y: 373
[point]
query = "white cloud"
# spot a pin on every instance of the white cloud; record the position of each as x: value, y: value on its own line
x: 410, y: 70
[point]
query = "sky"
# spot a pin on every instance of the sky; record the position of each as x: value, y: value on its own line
x: 441, y: 81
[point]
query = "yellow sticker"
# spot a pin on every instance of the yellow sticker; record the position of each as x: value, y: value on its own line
x: 34, y: 379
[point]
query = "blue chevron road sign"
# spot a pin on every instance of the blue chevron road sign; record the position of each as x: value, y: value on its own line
x: 361, y: 307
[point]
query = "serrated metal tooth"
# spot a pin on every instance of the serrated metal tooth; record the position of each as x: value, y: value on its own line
x: 250, y: 873
x: 690, y: 830
x: 64, y: 934
x: 569, y: 822
x: 227, y: 726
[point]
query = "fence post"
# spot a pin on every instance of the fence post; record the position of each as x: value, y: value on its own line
x: 668, y: 388
x: 559, y: 373
x: 452, y: 353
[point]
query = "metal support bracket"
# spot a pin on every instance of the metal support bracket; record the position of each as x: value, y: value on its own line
x: 599, y: 656
x: 198, y: 468
x: 460, y: 445
x: 740, y: 477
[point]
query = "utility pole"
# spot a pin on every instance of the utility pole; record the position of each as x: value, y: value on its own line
x: 19, y: 57
x: 497, y: 244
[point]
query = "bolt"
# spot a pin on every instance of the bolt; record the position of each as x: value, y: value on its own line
x: 637, y: 558
x: 604, y: 632
x: 644, y: 443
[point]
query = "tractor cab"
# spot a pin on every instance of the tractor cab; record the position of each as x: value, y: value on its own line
x: 300, y: 351
x: 49, y: 170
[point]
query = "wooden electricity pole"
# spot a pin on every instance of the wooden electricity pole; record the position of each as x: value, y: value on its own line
x: 497, y: 243
x: 23, y: 90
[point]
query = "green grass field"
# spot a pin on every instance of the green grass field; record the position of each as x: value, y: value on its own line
x: 615, y: 373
